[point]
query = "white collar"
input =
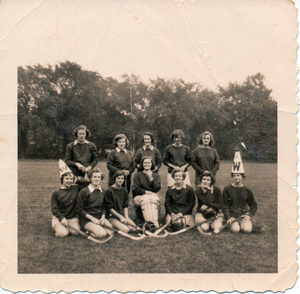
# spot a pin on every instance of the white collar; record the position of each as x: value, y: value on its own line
x: 119, y: 150
x: 85, y: 142
x: 92, y: 189
x: 174, y: 186
x: 151, y: 147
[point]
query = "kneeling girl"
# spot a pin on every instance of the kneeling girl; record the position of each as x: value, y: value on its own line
x: 209, y: 203
x: 116, y: 200
x: 90, y: 206
x: 179, y: 200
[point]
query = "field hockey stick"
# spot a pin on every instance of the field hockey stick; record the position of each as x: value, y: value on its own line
x: 162, y: 228
x: 90, y: 237
x: 124, y: 234
x: 193, y: 226
x: 217, y: 231
x: 165, y: 234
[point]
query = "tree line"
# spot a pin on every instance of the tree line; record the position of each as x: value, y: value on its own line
x: 53, y: 100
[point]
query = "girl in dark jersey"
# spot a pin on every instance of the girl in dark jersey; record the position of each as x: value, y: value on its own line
x: 116, y: 200
x: 205, y: 158
x: 177, y: 157
x: 148, y: 150
x: 209, y: 203
x: 90, y: 206
x: 180, y: 200
x: 120, y: 159
x: 239, y: 201
x: 146, y: 185
x: 63, y: 204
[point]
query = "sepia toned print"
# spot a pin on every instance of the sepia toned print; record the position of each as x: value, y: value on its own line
x: 213, y: 83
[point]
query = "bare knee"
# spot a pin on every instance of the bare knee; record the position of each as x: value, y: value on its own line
x: 235, y: 228
x: 246, y: 227
x: 205, y: 227
x: 216, y: 224
x: 61, y: 233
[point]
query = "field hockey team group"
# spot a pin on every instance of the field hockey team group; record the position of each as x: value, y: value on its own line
x: 81, y: 202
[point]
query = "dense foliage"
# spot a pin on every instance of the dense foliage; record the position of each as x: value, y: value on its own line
x: 53, y: 100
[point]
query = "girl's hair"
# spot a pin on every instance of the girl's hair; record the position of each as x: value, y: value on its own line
x: 212, y: 140
x: 118, y: 137
x: 177, y: 171
x: 84, y: 128
x: 208, y: 174
x: 243, y: 175
x: 93, y: 171
x: 150, y: 135
x: 178, y: 133
x: 64, y: 175
x: 117, y: 174
x: 142, y: 161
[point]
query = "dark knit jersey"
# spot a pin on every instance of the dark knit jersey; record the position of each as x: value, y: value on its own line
x: 116, y: 199
x: 143, y: 183
x: 213, y: 200
x: 238, y: 201
x: 204, y: 159
x: 119, y: 161
x: 63, y: 202
x: 154, y: 154
x: 86, y: 154
x: 90, y: 203
x: 178, y: 156
x: 182, y: 200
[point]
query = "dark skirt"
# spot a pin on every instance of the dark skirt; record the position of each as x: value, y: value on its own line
x: 83, y: 220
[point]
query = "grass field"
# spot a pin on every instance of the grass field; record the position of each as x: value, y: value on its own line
x: 40, y: 252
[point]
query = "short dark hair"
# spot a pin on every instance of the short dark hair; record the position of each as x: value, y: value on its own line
x: 212, y: 140
x: 208, y: 174
x: 95, y: 170
x: 117, y: 174
x: 84, y: 128
x: 178, y: 133
x: 177, y: 171
x: 150, y: 135
x: 64, y: 175
x: 142, y: 161
x: 243, y: 175
x: 118, y: 137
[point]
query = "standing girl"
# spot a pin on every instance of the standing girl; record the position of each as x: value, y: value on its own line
x: 120, y: 159
x: 205, y: 158
x: 177, y: 157
x: 148, y: 150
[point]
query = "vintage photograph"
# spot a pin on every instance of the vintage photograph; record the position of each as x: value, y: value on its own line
x: 149, y: 136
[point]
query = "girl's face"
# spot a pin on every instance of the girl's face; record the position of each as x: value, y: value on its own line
x: 121, y: 143
x: 178, y: 178
x: 237, y: 178
x: 177, y: 140
x: 147, y: 140
x: 147, y: 164
x: 96, y: 179
x: 206, y: 140
x: 206, y: 181
x: 68, y: 180
x: 119, y: 180
x: 81, y: 134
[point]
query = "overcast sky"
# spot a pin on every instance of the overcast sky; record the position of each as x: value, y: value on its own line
x: 211, y: 42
